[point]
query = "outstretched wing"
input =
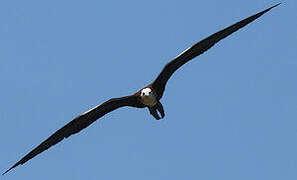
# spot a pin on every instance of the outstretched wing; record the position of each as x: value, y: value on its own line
x: 79, y: 123
x: 197, y: 49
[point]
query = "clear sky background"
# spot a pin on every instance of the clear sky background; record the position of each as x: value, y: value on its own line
x: 230, y: 114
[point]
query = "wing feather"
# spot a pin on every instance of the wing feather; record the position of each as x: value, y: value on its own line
x: 79, y: 123
x: 197, y: 49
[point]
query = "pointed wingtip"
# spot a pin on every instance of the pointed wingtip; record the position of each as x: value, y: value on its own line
x: 6, y: 172
x: 275, y: 5
x: 268, y: 9
x: 10, y: 169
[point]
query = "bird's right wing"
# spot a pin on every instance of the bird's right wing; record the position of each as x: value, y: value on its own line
x: 79, y: 123
x: 197, y: 49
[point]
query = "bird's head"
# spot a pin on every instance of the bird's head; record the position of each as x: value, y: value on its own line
x: 147, y: 97
x: 146, y: 92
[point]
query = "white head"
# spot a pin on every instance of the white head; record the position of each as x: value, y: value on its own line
x: 147, y: 97
x: 146, y: 92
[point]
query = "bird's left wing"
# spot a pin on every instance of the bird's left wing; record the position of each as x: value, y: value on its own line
x: 79, y: 123
x: 197, y: 49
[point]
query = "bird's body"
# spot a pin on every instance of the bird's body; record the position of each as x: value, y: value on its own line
x: 148, y: 96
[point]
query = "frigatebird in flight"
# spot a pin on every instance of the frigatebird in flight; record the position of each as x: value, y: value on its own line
x: 148, y: 96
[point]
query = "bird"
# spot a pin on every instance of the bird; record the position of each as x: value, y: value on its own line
x: 147, y: 97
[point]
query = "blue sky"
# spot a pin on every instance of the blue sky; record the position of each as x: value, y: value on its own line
x: 230, y: 113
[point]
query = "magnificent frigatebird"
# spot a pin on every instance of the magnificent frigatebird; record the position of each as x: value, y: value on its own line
x: 148, y: 96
